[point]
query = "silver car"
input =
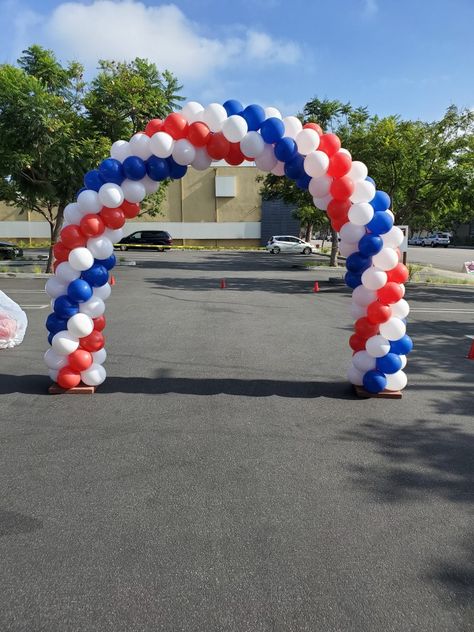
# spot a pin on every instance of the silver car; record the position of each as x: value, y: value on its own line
x: 288, y: 243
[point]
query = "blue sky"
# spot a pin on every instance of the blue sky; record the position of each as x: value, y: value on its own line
x: 412, y: 57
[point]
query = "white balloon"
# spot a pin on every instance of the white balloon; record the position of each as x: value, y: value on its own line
x: 386, y: 259
x: 319, y: 187
x: 252, y: 145
x: 120, y: 150
x: 55, y: 287
x: 234, y: 128
x: 352, y: 233
x: 64, y: 343
x: 100, y: 247
x: 73, y: 214
x: 396, y: 381
x: 214, y: 116
x: 103, y: 292
x: 377, y: 346
x: 67, y: 273
x: 316, y: 164
x: 151, y: 186
x: 81, y: 259
x: 279, y: 169
x: 403, y: 358
x: 346, y: 249
x: 358, y: 171
x: 364, y: 191
x: 322, y: 202
x: 133, y: 190
x: 307, y: 141
x: 161, y: 144
x: 400, y: 309
x: 99, y: 357
x: 272, y: 112
x: 53, y: 374
x: 190, y: 110
x: 94, y: 375
x: 53, y: 360
x: 373, y: 278
x: 113, y: 235
x: 267, y: 159
x: 183, y: 152
x: 354, y: 376
x: 139, y: 145
x: 363, y: 296
x: 391, y: 214
x: 361, y: 213
x: 94, y: 307
x: 111, y: 195
x: 202, y: 160
x: 393, y: 329
x: 403, y: 289
x: 357, y: 311
x: 88, y: 201
x: 363, y: 361
x: 80, y: 325
x: 293, y: 126
x: 394, y: 237
x: 345, y: 151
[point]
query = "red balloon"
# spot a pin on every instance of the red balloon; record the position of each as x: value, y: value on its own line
x: 60, y: 252
x: 130, y: 209
x: 199, y: 134
x: 112, y: 217
x: 99, y: 322
x: 378, y: 313
x: 153, y: 126
x: 357, y: 343
x: 93, y: 342
x: 218, y: 146
x: 337, y: 209
x: 68, y: 378
x: 329, y: 143
x: 175, y: 125
x: 390, y: 293
x: 342, y: 188
x: 235, y: 156
x: 364, y: 328
x: 398, y: 274
x: 314, y: 126
x: 339, y: 165
x: 80, y: 360
x: 338, y: 223
x: 72, y: 237
x: 92, y: 225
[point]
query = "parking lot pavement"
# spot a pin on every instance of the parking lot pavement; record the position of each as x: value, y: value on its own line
x: 225, y: 477
x: 444, y: 258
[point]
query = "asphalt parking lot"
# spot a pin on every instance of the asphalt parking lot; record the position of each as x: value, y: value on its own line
x: 225, y: 478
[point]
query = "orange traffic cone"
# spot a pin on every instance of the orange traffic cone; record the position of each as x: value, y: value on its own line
x: 112, y: 280
x: 223, y: 284
x: 316, y: 287
x: 470, y: 355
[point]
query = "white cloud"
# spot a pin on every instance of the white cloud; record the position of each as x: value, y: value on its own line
x: 127, y: 29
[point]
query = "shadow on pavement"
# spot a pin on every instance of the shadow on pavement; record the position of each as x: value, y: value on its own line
x: 29, y: 384
x: 14, y: 523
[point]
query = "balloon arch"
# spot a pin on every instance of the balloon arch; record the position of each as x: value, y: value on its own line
x: 195, y: 137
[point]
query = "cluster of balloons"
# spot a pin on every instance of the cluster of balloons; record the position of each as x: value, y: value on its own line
x: 196, y: 136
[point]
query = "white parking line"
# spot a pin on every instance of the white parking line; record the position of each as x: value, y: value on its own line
x: 33, y: 306
x: 435, y: 311
x: 26, y: 291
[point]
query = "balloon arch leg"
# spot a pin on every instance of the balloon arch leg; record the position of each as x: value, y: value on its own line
x: 195, y: 137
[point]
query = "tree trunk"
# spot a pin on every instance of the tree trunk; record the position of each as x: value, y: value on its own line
x: 334, y: 249
x: 309, y: 228
x: 55, y: 227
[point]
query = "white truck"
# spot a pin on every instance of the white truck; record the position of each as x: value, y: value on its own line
x: 436, y: 239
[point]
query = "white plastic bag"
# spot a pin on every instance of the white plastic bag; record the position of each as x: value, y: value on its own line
x: 13, y: 323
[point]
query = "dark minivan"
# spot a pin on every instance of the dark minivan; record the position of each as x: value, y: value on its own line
x: 146, y: 240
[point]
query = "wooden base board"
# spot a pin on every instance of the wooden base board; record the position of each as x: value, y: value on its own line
x: 361, y: 392
x: 82, y: 389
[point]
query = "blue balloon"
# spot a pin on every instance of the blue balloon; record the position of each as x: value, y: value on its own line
x: 55, y: 324
x: 108, y: 263
x: 50, y: 337
x: 380, y: 223
x: 356, y: 262
x: 254, y: 115
x: 93, y: 180
x: 402, y: 346
x: 370, y: 245
x: 232, y: 106
x: 134, y: 168
x: 294, y: 167
x: 285, y: 149
x: 374, y: 381
x: 96, y: 275
x: 79, y: 290
x: 176, y: 171
x: 303, y: 181
x: 64, y: 307
x: 390, y: 363
x: 369, y: 179
x: 157, y: 168
x: 381, y: 201
x: 111, y: 170
x: 352, y: 279
x: 272, y: 130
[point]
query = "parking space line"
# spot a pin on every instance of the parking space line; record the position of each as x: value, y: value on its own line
x: 435, y: 311
x: 33, y: 306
